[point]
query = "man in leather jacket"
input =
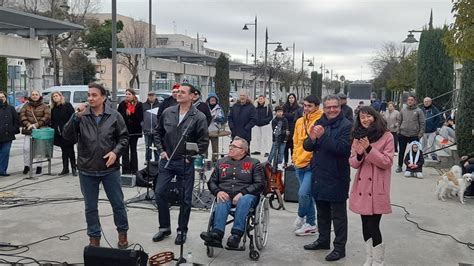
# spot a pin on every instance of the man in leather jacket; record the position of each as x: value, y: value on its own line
x: 237, y: 180
x: 182, y: 120
x: 101, y: 136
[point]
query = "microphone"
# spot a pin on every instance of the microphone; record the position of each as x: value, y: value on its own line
x: 85, y: 106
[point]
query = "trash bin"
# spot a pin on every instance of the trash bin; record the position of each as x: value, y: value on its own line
x: 43, y: 140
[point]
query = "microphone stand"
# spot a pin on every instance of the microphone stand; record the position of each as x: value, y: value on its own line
x: 184, y: 137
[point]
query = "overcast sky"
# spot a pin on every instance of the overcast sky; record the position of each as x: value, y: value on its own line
x: 342, y: 35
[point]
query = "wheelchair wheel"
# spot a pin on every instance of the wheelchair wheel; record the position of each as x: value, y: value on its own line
x: 262, y: 218
x: 254, y: 255
x: 210, y: 251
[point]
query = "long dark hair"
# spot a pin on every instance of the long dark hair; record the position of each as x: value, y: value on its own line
x: 375, y: 130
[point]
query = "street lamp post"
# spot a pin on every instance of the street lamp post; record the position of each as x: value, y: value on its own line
x: 278, y: 49
x: 311, y: 64
x: 293, y: 61
x: 114, y: 54
x: 411, y: 37
x: 204, y: 39
x: 255, y: 52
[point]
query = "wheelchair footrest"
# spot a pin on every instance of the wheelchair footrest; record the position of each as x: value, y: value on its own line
x: 242, y: 248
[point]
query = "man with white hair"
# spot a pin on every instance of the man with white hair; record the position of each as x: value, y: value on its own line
x: 242, y: 117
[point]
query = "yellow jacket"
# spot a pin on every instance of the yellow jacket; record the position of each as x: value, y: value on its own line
x: 300, y: 157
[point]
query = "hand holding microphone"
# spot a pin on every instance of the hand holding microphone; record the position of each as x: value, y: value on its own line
x: 81, y: 109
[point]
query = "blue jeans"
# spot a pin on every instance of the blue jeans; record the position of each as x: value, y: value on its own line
x: 149, y: 139
x: 273, y: 151
x: 185, y: 176
x: 305, y: 196
x: 221, y: 212
x: 90, y: 190
x: 4, y: 156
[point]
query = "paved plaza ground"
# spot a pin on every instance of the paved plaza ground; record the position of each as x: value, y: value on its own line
x: 405, y: 243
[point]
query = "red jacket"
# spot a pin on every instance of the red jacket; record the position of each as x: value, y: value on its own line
x: 370, y: 192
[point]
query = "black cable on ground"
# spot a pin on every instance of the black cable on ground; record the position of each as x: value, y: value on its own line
x: 2, y: 189
x: 470, y: 245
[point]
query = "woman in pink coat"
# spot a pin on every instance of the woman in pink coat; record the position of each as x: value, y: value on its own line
x: 372, y: 156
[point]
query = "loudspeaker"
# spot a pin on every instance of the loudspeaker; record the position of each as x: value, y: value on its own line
x: 98, y: 256
x: 128, y: 180
x: 292, y: 185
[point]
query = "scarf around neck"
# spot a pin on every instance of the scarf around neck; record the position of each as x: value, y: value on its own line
x: 417, y: 155
x: 131, y: 107
x: 371, y: 133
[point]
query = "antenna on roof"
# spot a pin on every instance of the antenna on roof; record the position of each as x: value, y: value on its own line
x: 175, y: 29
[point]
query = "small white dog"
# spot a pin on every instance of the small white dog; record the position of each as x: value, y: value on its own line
x: 452, y: 184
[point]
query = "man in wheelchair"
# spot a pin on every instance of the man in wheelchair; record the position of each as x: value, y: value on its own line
x: 237, y: 181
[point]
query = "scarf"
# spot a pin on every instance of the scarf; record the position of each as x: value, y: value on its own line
x: 131, y: 107
x: 211, y: 106
x: 417, y: 155
x: 370, y: 132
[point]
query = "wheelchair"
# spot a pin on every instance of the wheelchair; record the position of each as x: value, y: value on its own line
x: 256, y: 228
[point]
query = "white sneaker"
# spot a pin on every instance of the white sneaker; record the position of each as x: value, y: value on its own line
x: 307, y: 230
x: 299, y: 222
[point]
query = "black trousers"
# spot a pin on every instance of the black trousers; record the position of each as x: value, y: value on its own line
x: 371, y: 228
x: 129, y: 157
x: 335, y: 212
x: 68, y: 155
x: 402, y: 144
x: 288, y: 147
x: 395, y: 140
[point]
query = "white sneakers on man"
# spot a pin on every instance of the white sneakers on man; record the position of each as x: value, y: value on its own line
x: 299, y: 222
x: 307, y: 230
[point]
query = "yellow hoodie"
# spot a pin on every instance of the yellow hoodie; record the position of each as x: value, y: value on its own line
x: 300, y: 157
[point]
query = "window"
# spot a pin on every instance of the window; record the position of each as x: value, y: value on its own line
x: 67, y: 96
x: 161, y: 41
x: 80, y: 96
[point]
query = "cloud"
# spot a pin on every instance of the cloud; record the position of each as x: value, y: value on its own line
x: 343, y: 35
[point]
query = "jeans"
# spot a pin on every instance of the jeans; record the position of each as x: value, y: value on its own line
x: 90, y: 190
x: 185, y: 176
x: 273, y: 151
x: 305, y: 196
x: 149, y: 139
x: 129, y: 157
x: 221, y: 212
x: 4, y: 156
x: 429, y: 143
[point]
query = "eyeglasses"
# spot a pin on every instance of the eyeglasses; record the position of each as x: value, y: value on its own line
x: 331, y: 107
x: 233, y: 146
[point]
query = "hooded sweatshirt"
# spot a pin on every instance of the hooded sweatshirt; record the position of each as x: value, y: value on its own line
x: 415, y: 157
x: 303, y: 125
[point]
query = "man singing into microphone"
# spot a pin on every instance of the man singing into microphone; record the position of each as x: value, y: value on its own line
x: 101, y: 136
x: 180, y: 122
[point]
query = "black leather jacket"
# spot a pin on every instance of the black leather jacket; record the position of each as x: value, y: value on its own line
x: 234, y: 177
x: 94, y: 140
x: 168, y: 133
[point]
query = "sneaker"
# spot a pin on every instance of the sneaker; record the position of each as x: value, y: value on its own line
x: 307, y: 230
x: 255, y: 153
x: 434, y: 157
x: 399, y: 169
x: 299, y: 222
x: 444, y: 142
x: 266, y: 154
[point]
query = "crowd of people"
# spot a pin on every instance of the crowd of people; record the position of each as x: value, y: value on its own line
x: 320, y: 143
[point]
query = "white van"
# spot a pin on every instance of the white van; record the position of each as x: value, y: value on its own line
x: 74, y: 94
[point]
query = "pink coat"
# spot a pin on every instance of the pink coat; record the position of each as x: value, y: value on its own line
x: 370, y: 192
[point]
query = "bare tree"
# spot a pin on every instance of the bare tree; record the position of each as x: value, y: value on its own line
x: 134, y: 35
x: 67, y: 42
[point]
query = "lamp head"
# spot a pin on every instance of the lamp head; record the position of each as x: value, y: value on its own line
x: 245, y: 27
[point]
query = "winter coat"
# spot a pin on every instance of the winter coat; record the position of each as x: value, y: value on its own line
x: 94, y: 140
x: 204, y: 108
x: 133, y: 121
x: 330, y: 162
x: 241, y: 119
x: 412, y: 122
x: 393, y: 120
x: 370, y: 193
x: 34, y: 113
x: 347, y: 111
x: 168, y: 132
x: 279, y: 129
x: 217, y: 114
x: 300, y: 156
x: 150, y: 120
x: 168, y: 102
x: 9, y: 123
x: 289, y: 112
x: 420, y: 161
x: 264, y: 113
x: 432, y: 118
x: 233, y: 177
x: 60, y: 114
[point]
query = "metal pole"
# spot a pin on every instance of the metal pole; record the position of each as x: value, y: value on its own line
x: 246, y: 56
x: 255, y: 60
x: 265, y: 66
x: 114, y: 54
x: 149, y: 26
x: 55, y: 72
x: 313, y: 63
x: 197, y: 38
x: 293, y: 56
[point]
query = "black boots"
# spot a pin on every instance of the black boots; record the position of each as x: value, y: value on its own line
x: 65, y: 171
x: 26, y: 170
x: 39, y: 170
x: 74, y: 171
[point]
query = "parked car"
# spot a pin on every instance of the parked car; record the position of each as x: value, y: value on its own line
x: 74, y: 94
